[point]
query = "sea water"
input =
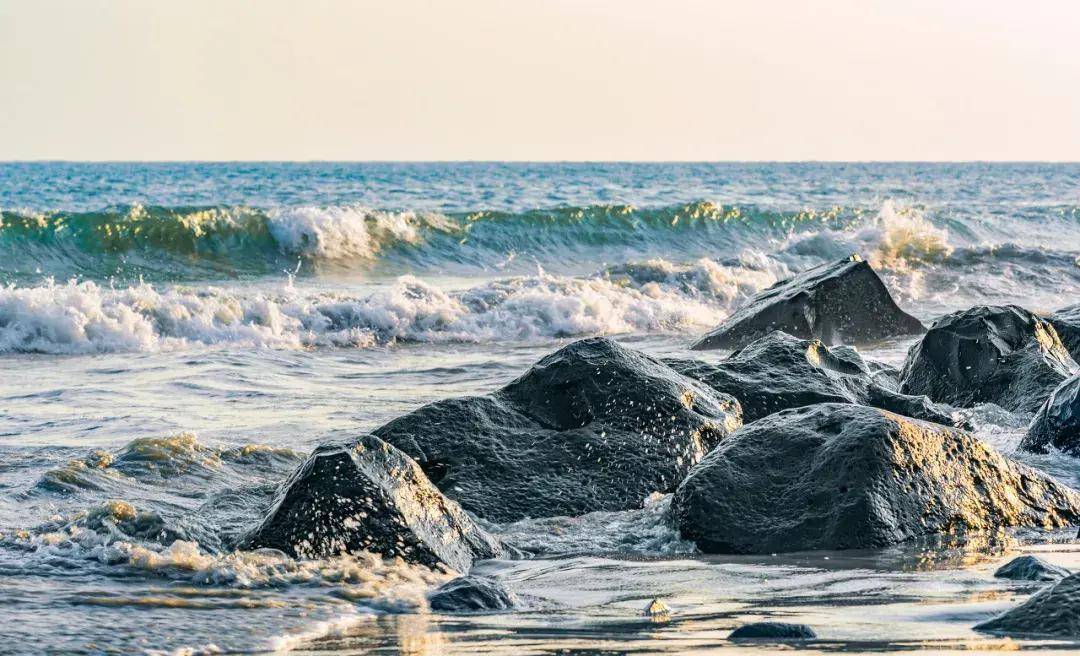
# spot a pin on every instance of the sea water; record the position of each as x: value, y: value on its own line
x: 174, y: 338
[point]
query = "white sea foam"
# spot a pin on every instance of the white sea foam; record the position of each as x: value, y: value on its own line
x: 339, y: 232
x: 85, y: 317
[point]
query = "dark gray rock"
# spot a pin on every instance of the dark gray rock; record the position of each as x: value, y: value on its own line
x: 988, y: 354
x: 593, y: 426
x: 1030, y: 568
x: 1057, y: 423
x: 472, y: 594
x: 842, y: 476
x: 780, y: 371
x: 839, y: 302
x: 1066, y: 322
x: 369, y: 496
x: 1053, y: 611
x: 772, y: 631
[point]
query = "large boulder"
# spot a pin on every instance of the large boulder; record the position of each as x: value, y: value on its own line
x: 841, y: 476
x: 593, y: 426
x: 843, y: 301
x: 369, y: 496
x: 780, y: 371
x: 1053, y: 611
x: 1057, y: 423
x: 988, y: 354
x: 1066, y: 322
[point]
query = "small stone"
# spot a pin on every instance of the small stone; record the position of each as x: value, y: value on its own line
x: 656, y: 608
x: 1030, y: 568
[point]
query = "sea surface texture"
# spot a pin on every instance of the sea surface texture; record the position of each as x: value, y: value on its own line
x: 175, y: 338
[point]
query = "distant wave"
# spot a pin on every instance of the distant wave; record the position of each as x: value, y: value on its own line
x: 193, y: 243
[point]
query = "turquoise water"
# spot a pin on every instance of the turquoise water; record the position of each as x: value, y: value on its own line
x: 175, y: 337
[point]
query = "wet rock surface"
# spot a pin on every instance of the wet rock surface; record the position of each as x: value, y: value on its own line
x: 1053, y: 611
x: 772, y: 631
x: 839, y: 302
x: 472, y: 594
x: 1066, y: 322
x: 841, y: 476
x: 369, y: 496
x: 988, y: 354
x: 1057, y: 423
x: 593, y: 426
x: 780, y: 371
x: 1030, y: 568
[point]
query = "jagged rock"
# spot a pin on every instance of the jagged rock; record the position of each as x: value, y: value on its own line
x: 472, y: 594
x: 841, y: 476
x: 1030, y: 568
x: 842, y: 301
x: 780, y: 371
x: 656, y: 608
x: 1053, y: 611
x: 369, y: 496
x: 772, y: 631
x: 593, y: 426
x: 988, y: 354
x: 1066, y: 322
x: 1057, y: 423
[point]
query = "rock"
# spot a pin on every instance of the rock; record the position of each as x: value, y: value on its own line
x: 772, y: 631
x: 1066, y: 322
x: 843, y: 301
x: 780, y: 371
x: 369, y: 496
x: 593, y: 426
x: 472, y: 594
x: 1030, y: 568
x: 1057, y: 423
x: 656, y: 608
x: 841, y: 476
x: 1053, y: 611
x: 988, y: 354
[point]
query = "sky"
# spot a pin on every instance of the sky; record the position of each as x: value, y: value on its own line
x: 540, y: 80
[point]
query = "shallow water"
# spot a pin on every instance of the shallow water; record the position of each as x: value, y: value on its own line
x: 225, y: 319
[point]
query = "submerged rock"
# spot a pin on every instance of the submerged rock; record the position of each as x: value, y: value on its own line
x: 1030, y: 568
x: 593, y: 426
x: 369, y: 496
x: 841, y: 476
x: 1057, y: 423
x: 988, y: 354
x: 1053, y: 611
x: 1066, y: 322
x: 472, y: 594
x: 842, y: 301
x: 772, y: 631
x: 780, y: 371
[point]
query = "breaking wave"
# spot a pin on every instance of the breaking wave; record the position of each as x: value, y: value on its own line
x: 190, y: 243
x: 654, y: 296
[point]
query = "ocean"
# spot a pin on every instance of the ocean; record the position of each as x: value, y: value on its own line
x: 176, y: 337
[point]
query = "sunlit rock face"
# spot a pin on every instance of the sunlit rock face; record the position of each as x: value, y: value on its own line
x: 1066, y: 322
x: 780, y: 371
x: 843, y: 302
x: 1053, y: 611
x: 1057, y: 423
x: 369, y: 496
x: 593, y: 426
x: 988, y: 354
x: 841, y: 476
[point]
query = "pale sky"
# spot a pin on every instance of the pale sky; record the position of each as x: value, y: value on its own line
x: 531, y: 80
